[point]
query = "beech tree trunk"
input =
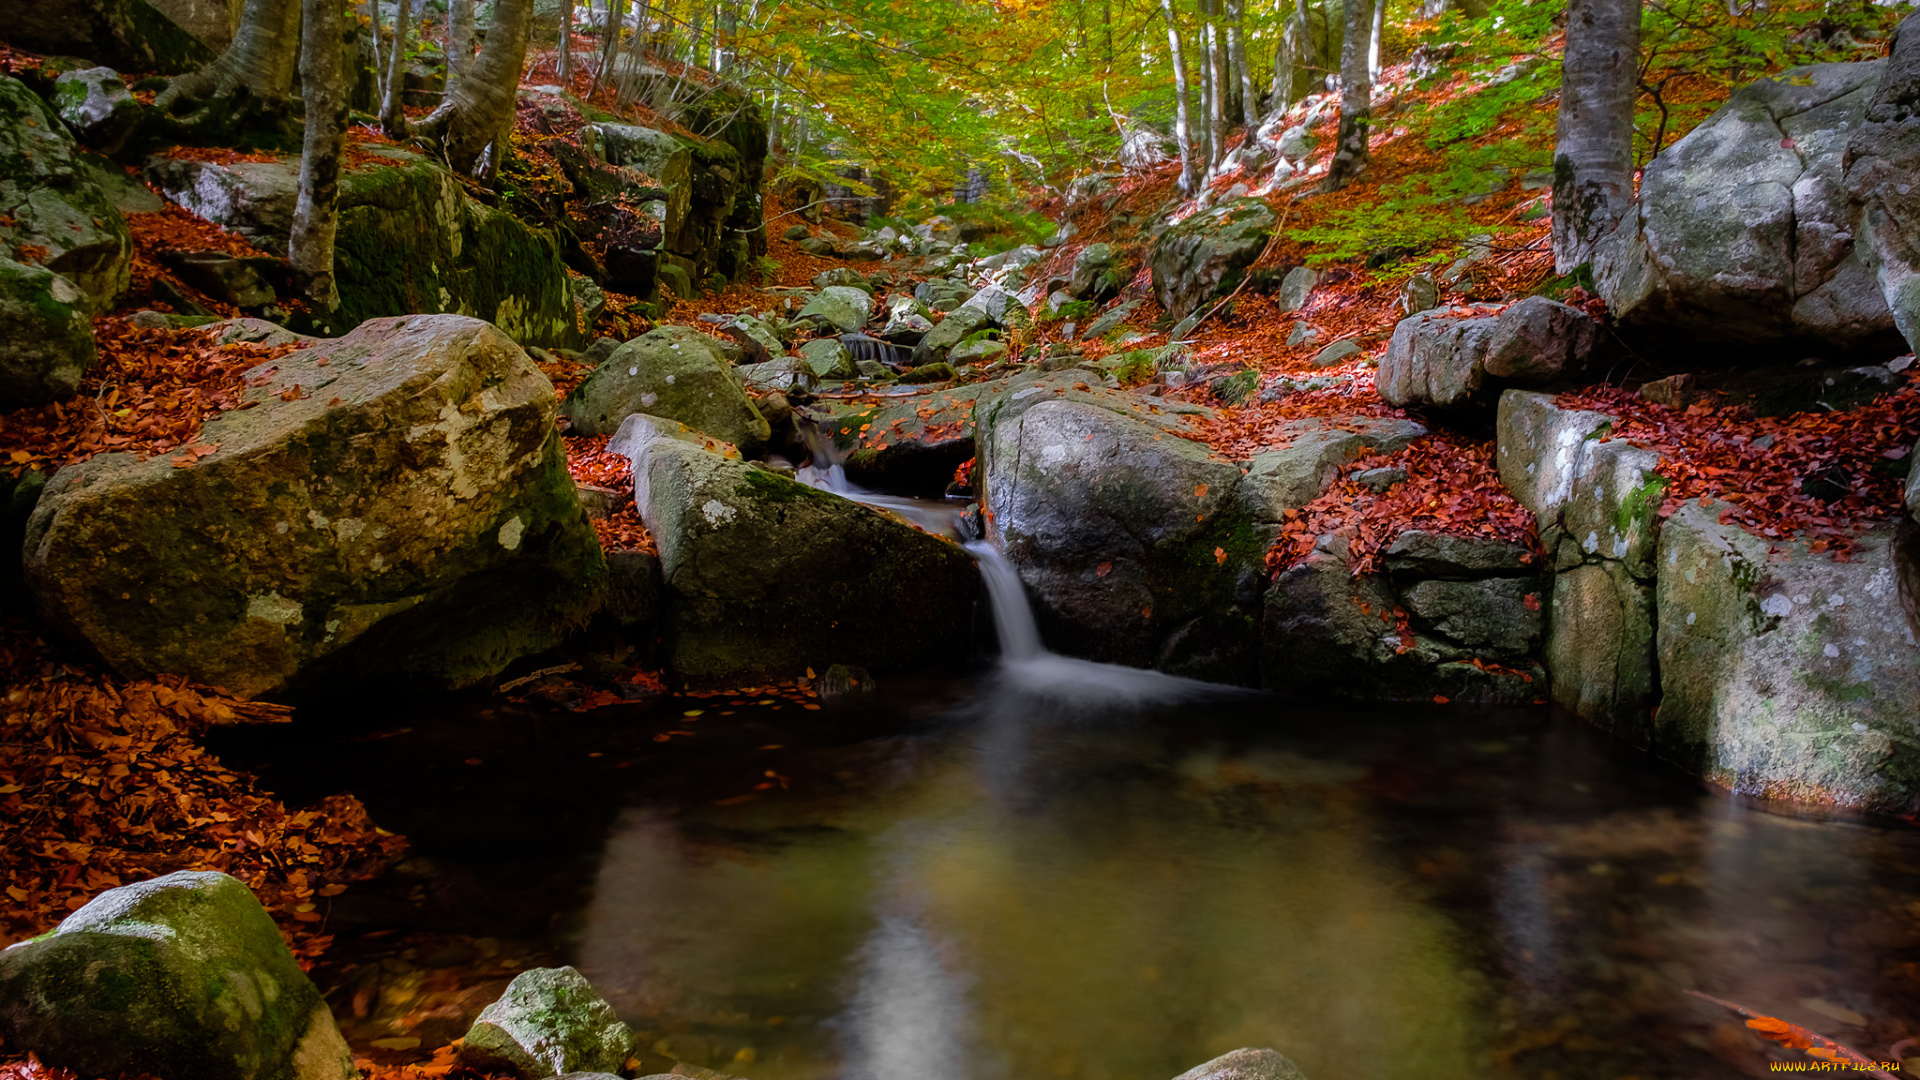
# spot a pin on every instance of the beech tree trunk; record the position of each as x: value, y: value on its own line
x: 1286, y: 54
x: 1237, y: 58
x: 459, y: 40
x: 393, y: 118
x: 1216, y: 89
x: 479, y: 112
x: 610, y: 44
x: 1373, y: 40
x: 1183, y: 117
x: 255, y: 74
x: 316, y: 208
x: 565, y: 63
x: 1356, y: 93
x: 1593, y: 163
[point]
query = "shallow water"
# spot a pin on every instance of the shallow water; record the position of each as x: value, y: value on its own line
x: 974, y: 881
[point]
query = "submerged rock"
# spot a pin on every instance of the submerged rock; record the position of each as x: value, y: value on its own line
x: 52, y: 212
x: 394, y: 503
x: 674, y: 372
x: 767, y: 577
x: 550, y: 1021
x: 1205, y: 256
x: 180, y: 976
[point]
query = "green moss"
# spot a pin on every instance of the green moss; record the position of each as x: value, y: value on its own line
x: 1640, y: 505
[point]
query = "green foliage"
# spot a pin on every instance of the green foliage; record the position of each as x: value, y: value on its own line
x: 1073, y: 309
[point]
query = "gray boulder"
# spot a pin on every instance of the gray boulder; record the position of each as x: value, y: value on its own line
x: 1129, y: 538
x: 942, y: 295
x: 662, y: 157
x: 976, y: 352
x: 1787, y: 674
x: 1443, y: 361
x: 910, y: 445
x: 1881, y: 158
x: 766, y: 576
x: 759, y: 340
x: 1419, y: 553
x: 1296, y: 288
x: 1096, y: 273
x: 51, y: 206
x: 827, y: 358
x: 674, y: 372
x: 1205, y: 256
x: 783, y: 374
x: 97, y: 106
x: 1913, y: 486
x: 1246, y: 1064
x: 841, y: 307
x: 393, y: 503
x: 178, y: 976
x: 1492, y: 617
x: 843, y: 275
x: 46, y: 340
x: 996, y: 303
x: 1743, y: 233
x: 549, y: 1021
x: 1301, y: 470
x: 1110, y: 320
x: 949, y: 332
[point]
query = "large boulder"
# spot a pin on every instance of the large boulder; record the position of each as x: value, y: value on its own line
x: 410, y: 240
x: 839, y: 307
x: 766, y: 577
x: 52, y: 212
x: 1310, y: 456
x: 911, y: 446
x: 1743, y: 233
x: 670, y: 371
x: 1596, y: 502
x: 1129, y: 537
x: 182, y: 976
x: 1882, y: 157
x: 1096, y: 273
x: 1785, y: 673
x: 1450, y: 361
x: 392, y: 503
x: 46, y: 341
x: 1246, y: 1064
x: 663, y: 158
x: 1206, y: 255
x: 959, y: 325
x: 131, y: 35
x: 550, y: 1022
x: 96, y: 105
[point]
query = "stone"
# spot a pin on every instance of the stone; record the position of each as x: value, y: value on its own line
x: 1743, y: 232
x: 392, y: 504
x: 1301, y: 470
x: 843, y: 681
x: 1129, y: 538
x: 229, y: 279
x: 1096, y: 273
x: 977, y: 352
x: 1418, y: 294
x: 130, y: 35
x: 1880, y: 158
x: 1337, y: 353
x: 52, y: 211
x: 1443, y: 361
x: 1913, y: 486
x: 676, y: 280
x: 875, y: 371
x: 177, y: 976
x: 674, y: 372
x: 795, y: 232
x: 1297, y: 288
x: 817, y: 245
x: 828, y: 358
x: 1495, y: 617
x: 907, y: 327
x: 959, y: 325
x: 661, y: 157
x: 1379, y: 481
x: 589, y: 300
x: 1426, y: 554
x: 767, y: 576
x: 842, y: 275
x: 1206, y: 255
x: 940, y: 295
x: 783, y: 374
x: 410, y: 240
x: 1600, y: 646
x: 550, y: 1020
x: 759, y: 340
x: 996, y: 303
x: 1246, y: 1064
x: 841, y: 307
x: 909, y: 446
x: 938, y: 371
x: 96, y: 105
x: 1295, y: 143
x: 1110, y: 320
x: 46, y: 339
x: 1303, y: 334
x: 1785, y: 673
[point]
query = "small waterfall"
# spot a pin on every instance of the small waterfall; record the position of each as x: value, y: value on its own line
x: 1012, y: 615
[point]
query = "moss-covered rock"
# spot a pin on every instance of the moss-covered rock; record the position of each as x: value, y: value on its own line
x: 949, y: 332
x: 664, y: 158
x: 1785, y: 673
x: 767, y: 577
x: 95, y: 104
x: 131, y: 35
x: 46, y: 340
x: 1313, y: 452
x: 839, y: 307
x: 673, y: 372
x: 181, y: 976
x: 392, y: 503
x: 52, y: 212
x: 410, y: 241
x: 1205, y: 256
x: 550, y: 1021
x: 828, y: 358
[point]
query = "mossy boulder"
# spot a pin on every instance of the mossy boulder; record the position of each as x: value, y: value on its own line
x: 131, y: 35
x: 766, y: 577
x: 550, y: 1021
x: 840, y: 307
x: 1129, y: 537
x: 410, y: 241
x: 46, y: 340
x: 958, y: 326
x: 1206, y: 255
x: 674, y: 372
x: 97, y: 106
x: 182, y: 976
x: 1786, y: 673
x: 664, y: 158
x: 828, y: 358
x: 394, y: 503
x: 52, y: 212
x: 1311, y: 455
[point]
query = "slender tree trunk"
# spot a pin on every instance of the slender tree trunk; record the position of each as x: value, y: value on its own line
x: 1213, y: 92
x: 479, y: 112
x: 393, y: 118
x: 379, y: 61
x: 256, y: 71
x: 1593, y: 163
x: 1183, y: 119
x: 609, y: 45
x: 1285, y: 55
x: 1356, y: 94
x: 459, y: 41
x: 316, y: 207
x: 1237, y: 57
x: 1373, y: 39
x: 628, y: 76
x: 564, y: 65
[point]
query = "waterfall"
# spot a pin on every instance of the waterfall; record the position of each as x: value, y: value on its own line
x: 1012, y: 615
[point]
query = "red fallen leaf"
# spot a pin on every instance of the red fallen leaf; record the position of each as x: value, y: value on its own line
x: 1532, y: 601
x: 1200, y: 492
x: 1786, y: 143
x: 1441, y: 699
x: 1103, y: 569
x: 1219, y: 555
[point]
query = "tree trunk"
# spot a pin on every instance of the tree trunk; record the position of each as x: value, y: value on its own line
x: 1285, y: 55
x: 252, y: 78
x: 1237, y: 57
x: 564, y: 66
x: 1183, y: 119
x: 610, y: 44
x: 393, y: 119
x: 1356, y: 93
x: 480, y: 110
x: 316, y: 209
x: 1593, y: 163
x: 1216, y: 89
x: 1373, y: 39
x: 459, y: 41
x: 379, y: 61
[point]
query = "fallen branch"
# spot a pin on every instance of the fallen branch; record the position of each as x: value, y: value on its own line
x: 1816, y: 1046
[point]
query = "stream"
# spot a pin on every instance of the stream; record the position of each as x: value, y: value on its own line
x: 1055, y: 868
